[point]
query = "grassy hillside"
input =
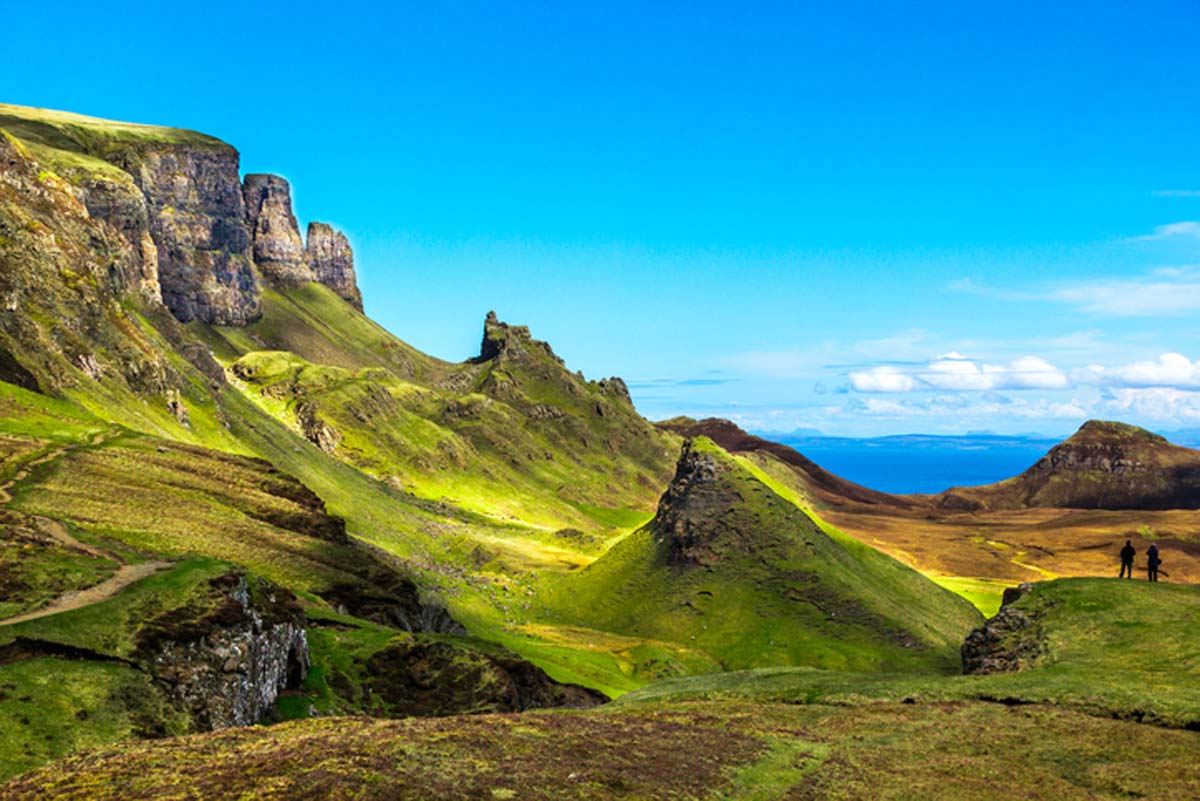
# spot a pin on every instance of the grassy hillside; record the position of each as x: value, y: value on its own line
x: 515, y: 437
x: 1112, y: 648
x: 775, y: 588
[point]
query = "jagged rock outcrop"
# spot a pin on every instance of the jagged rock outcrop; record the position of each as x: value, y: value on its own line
x: 1012, y: 640
x: 617, y: 388
x: 279, y: 253
x: 197, y: 219
x: 504, y: 341
x: 315, y: 429
x: 690, y: 518
x: 226, y: 661
x: 332, y: 262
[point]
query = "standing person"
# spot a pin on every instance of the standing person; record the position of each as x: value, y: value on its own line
x: 1127, y: 554
x: 1152, y: 563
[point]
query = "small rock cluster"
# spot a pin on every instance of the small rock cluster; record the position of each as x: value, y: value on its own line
x: 1010, y: 641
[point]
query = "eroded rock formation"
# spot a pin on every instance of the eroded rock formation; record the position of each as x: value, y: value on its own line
x: 690, y: 511
x: 332, y: 262
x: 278, y: 251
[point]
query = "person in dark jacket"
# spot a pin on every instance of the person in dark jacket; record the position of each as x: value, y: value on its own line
x: 1152, y: 563
x: 1127, y: 554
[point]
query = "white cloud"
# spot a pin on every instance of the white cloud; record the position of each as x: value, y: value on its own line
x: 1170, y: 370
x: 882, y: 379
x: 962, y: 407
x: 1185, y: 228
x: 1133, y: 298
x: 1156, y: 403
x: 1171, y: 289
x: 954, y: 372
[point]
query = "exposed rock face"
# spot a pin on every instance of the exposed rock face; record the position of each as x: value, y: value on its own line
x: 227, y: 663
x: 436, y: 678
x: 1011, y: 641
x: 316, y: 430
x: 197, y: 218
x: 332, y: 262
x: 122, y: 206
x: 278, y: 252
x: 690, y: 515
x: 63, y: 274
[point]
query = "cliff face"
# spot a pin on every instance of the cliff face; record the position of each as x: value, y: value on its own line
x: 197, y: 220
x: 226, y: 663
x: 178, y: 224
x: 332, y: 262
x: 278, y: 252
x: 64, y: 273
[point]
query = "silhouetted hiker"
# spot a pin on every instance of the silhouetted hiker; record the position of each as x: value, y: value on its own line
x: 1152, y: 563
x: 1127, y: 554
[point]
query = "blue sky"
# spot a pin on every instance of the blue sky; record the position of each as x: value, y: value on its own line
x: 862, y: 218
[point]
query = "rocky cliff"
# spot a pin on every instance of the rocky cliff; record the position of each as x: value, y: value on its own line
x: 197, y: 220
x: 226, y: 658
x: 178, y: 224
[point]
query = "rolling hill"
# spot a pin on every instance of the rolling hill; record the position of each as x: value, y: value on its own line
x: 1104, y: 465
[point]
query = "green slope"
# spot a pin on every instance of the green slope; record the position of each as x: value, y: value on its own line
x: 1115, y: 648
x: 768, y: 586
x: 515, y: 436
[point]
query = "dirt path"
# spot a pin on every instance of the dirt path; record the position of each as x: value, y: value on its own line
x: 126, y: 574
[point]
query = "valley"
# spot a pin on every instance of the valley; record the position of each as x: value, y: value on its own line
x: 228, y: 497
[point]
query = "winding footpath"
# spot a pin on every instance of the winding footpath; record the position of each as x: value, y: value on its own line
x: 75, y: 599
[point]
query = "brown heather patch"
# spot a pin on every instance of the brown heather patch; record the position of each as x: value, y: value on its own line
x: 541, y: 757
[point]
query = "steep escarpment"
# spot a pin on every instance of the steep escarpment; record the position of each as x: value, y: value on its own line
x: 63, y: 279
x: 182, y: 227
x: 197, y: 220
x: 1104, y: 465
